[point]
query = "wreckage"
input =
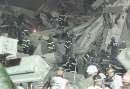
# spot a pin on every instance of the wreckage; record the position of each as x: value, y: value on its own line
x: 61, y: 44
x: 5, y: 82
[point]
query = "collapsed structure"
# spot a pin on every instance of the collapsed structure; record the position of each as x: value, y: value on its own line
x: 52, y: 39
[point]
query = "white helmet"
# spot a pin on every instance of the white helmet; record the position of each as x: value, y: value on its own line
x: 103, y: 76
x: 91, y: 69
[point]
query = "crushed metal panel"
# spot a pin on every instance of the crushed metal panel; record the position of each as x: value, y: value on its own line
x: 38, y: 50
x: 52, y: 58
x: 27, y: 4
x: 123, y: 58
x: 8, y: 45
x: 89, y: 36
x: 32, y: 68
x: 116, y: 9
x: 97, y: 4
x: 116, y: 30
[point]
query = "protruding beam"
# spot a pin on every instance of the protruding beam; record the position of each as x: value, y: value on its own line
x: 5, y: 81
